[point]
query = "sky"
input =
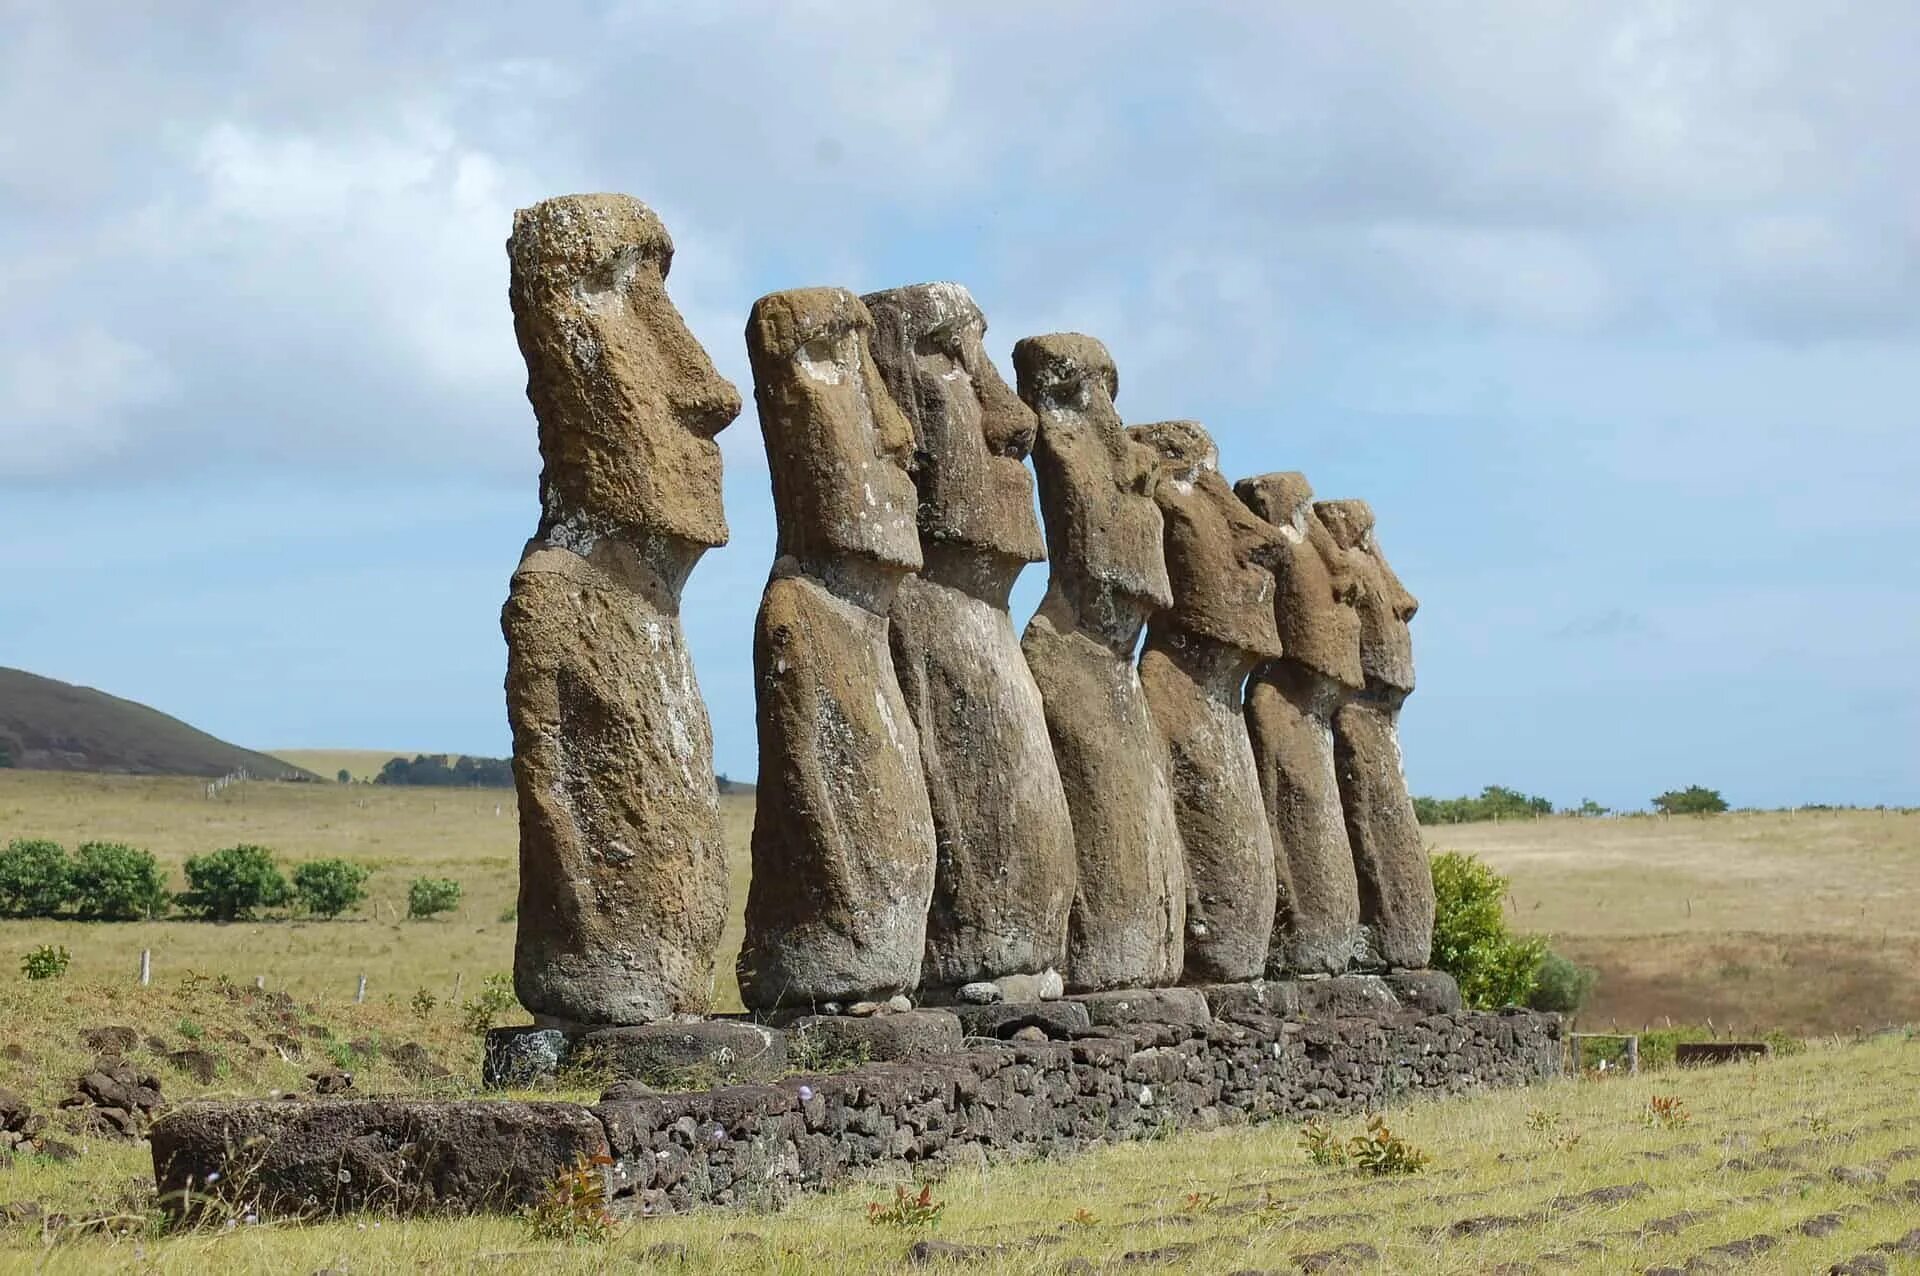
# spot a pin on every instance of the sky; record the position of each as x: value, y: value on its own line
x: 1611, y: 310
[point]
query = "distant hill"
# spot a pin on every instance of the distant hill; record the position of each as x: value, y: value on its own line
x: 46, y: 725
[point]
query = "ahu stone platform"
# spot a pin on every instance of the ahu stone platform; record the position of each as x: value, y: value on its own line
x: 1112, y: 1067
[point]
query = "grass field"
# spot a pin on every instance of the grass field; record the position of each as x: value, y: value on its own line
x: 1803, y: 922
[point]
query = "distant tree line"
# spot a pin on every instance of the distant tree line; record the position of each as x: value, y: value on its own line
x: 440, y: 770
x: 1499, y: 803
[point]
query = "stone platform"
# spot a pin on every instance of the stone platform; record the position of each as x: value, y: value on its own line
x: 734, y: 1048
x: 1143, y: 1064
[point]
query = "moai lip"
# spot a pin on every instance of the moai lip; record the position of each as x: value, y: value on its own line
x: 1194, y: 670
x: 622, y: 863
x: 1396, y: 884
x: 1108, y: 576
x: 1290, y: 709
x: 1006, y: 867
x: 843, y: 838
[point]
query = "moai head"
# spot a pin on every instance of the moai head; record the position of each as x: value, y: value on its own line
x: 628, y: 402
x: 1385, y: 606
x: 1096, y: 486
x: 971, y: 433
x: 839, y: 449
x: 1319, y: 627
x: 1220, y: 556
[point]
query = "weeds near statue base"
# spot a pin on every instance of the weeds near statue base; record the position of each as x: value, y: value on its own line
x: 1379, y: 1151
x: 574, y: 1207
x: 908, y: 1209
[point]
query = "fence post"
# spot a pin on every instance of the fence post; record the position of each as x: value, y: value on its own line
x: 260, y: 983
x: 146, y: 967
x: 459, y: 977
x: 360, y: 994
x: 1633, y: 1056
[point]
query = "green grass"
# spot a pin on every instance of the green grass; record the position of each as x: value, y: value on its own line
x: 1756, y: 1155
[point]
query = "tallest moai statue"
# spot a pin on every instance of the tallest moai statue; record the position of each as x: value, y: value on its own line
x: 622, y: 866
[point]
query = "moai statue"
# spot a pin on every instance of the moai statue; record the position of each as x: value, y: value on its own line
x: 1109, y: 575
x: 1195, y: 666
x: 1004, y: 880
x: 843, y: 842
x: 1396, y: 883
x: 623, y: 871
x: 1291, y: 703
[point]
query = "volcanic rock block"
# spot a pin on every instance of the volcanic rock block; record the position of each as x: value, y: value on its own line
x: 675, y: 1055
x: 402, y: 1155
x: 1005, y: 871
x: 1194, y: 669
x: 1396, y: 883
x: 1290, y: 707
x: 1109, y: 575
x: 622, y: 866
x: 843, y: 838
x: 901, y: 1035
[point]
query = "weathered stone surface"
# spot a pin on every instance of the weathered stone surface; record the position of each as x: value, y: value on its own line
x: 1109, y: 575
x: 900, y: 1035
x: 523, y: 1057
x: 1194, y: 671
x: 1060, y: 1020
x: 707, y: 1052
x: 1276, y: 998
x: 1123, y: 1006
x: 1396, y: 884
x: 1290, y: 707
x: 1344, y: 996
x: 1431, y: 992
x: 407, y: 1155
x: 622, y: 865
x: 1005, y: 869
x: 843, y: 839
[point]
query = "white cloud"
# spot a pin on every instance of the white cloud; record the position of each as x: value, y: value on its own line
x: 70, y: 401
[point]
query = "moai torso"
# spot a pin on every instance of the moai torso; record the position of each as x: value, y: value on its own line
x: 843, y: 839
x: 1194, y: 669
x: 1109, y: 575
x: 622, y: 866
x: 1396, y: 881
x: 1005, y: 869
x: 1291, y: 703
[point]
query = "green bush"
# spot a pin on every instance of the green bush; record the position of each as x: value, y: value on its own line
x: 1561, y: 985
x: 49, y: 961
x: 1494, y: 803
x: 429, y: 895
x: 231, y: 883
x: 328, y: 888
x: 1692, y: 800
x: 1471, y: 941
x: 36, y: 878
x: 117, y: 883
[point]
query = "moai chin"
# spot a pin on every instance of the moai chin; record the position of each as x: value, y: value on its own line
x: 1194, y: 669
x: 1291, y: 703
x: 843, y: 841
x: 1005, y: 868
x: 623, y: 869
x: 1109, y: 575
x: 1396, y: 882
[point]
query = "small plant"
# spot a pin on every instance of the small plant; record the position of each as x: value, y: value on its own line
x: 328, y: 888
x: 1567, y: 1142
x: 427, y: 896
x: 423, y: 1003
x: 477, y: 1014
x: 574, y: 1207
x: 1322, y: 1145
x: 1084, y: 1217
x: 1380, y: 1151
x: 510, y: 914
x: 190, y: 1030
x: 36, y: 878
x: 908, y: 1209
x: 1540, y: 1121
x: 117, y: 883
x: 1668, y: 1111
x: 231, y: 883
x: 49, y: 961
x: 816, y: 1052
x: 1199, y: 1202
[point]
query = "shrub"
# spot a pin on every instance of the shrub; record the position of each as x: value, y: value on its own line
x: 231, y: 883
x: 118, y: 883
x: 1470, y: 937
x: 328, y: 888
x: 477, y: 1014
x: 343, y: 776
x: 1561, y: 985
x: 49, y: 961
x: 1692, y: 800
x: 36, y: 878
x: 429, y: 895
